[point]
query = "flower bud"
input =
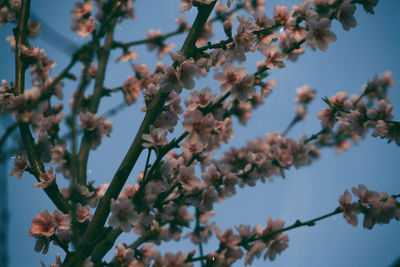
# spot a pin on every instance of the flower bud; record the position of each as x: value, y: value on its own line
x: 228, y: 25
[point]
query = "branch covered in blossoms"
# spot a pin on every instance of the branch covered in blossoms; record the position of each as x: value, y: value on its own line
x: 174, y: 194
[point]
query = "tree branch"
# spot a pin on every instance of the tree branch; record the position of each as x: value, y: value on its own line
x: 35, y: 163
x: 126, y: 166
x: 103, y: 56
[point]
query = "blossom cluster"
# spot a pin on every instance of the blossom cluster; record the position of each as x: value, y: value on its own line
x: 147, y: 254
x: 304, y: 97
x: 99, y: 126
x: 354, y: 117
x: 83, y: 22
x: 378, y: 208
x: 45, y: 225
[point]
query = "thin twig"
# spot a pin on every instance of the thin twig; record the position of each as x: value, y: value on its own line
x: 103, y: 56
x: 295, y: 120
x: 268, y: 236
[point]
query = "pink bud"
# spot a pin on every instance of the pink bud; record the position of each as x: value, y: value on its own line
x: 228, y: 25
x: 58, y: 107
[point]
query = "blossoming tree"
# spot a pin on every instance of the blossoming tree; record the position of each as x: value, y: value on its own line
x: 182, y: 126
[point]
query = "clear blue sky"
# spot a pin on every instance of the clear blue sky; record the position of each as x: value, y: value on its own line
x: 369, y: 49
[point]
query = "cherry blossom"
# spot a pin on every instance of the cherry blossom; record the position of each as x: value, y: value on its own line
x: 244, y: 88
x: 304, y: 94
x: 20, y: 165
x: 320, y: 34
x: 350, y: 210
x: 181, y: 77
x: 46, y: 179
x: 131, y: 89
x: 281, y: 14
x: 273, y: 56
x: 229, y: 77
x: 43, y: 224
x: 345, y: 15
x: 82, y: 213
x: 278, y: 242
x: 123, y: 214
x: 100, y: 126
x: 156, y: 138
x: 81, y: 23
x: 125, y: 256
x: 199, y: 126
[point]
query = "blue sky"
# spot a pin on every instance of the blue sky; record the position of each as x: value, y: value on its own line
x: 311, y: 191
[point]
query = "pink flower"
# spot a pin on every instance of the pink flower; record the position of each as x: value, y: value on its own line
x: 124, y: 255
x: 304, y: 94
x: 350, y: 210
x: 281, y: 14
x: 345, y: 15
x: 167, y: 120
x: 186, y: 71
x: 81, y: 22
x: 254, y: 251
x: 169, y: 80
x: 186, y: 5
x: 46, y: 179
x: 387, y: 79
x: 319, y: 34
x: 100, y: 126
x: 228, y: 238
x: 244, y: 39
x: 98, y: 194
x: 229, y: 77
x: 156, y: 138
x: 366, y: 196
x: 131, y: 89
x: 198, y: 126
x: 199, y: 99
x: 181, y: 77
x: 81, y: 9
x: 20, y: 165
x: 278, y: 242
x: 187, y: 178
x: 43, y: 224
x: 244, y: 89
x: 123, y: 214
x: 129, y: 191
x: 84, y: 26
x: 88, y: 120
x: 82, y: 213
x: 304, y: 11
x: 381, y: 211
x: 287, y: 39
x: 11, y: 40
x: 273, y: 56
x: 63, y: 221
